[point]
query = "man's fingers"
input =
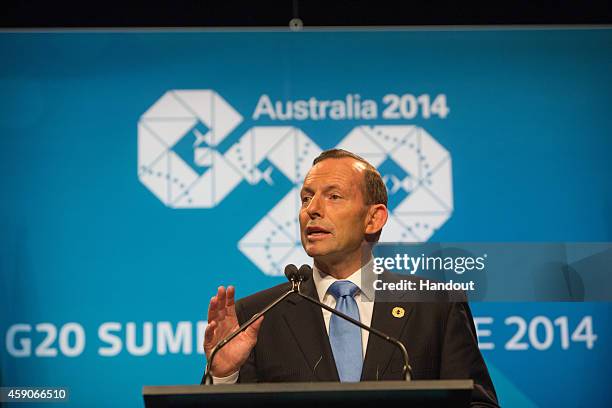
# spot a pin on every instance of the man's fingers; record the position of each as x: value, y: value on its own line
x: 231, y: 292
x: 209, y: 333
x: 231, y: 308
x: 213, y: 309
x: 221, y: 302
x: 221, y: 296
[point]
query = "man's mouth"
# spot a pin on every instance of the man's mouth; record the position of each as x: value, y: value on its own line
x: 316, y: 232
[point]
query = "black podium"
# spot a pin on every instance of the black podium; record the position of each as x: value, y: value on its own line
x: 379, y: 394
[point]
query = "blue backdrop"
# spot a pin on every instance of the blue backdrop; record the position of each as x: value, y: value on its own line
x: 142, y: 169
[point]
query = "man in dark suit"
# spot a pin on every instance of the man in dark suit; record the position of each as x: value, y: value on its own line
x: 343, y: 212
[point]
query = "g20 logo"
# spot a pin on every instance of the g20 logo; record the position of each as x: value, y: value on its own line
x: 416, y: 168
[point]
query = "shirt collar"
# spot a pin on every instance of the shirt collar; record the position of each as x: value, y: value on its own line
x: 323, y: 281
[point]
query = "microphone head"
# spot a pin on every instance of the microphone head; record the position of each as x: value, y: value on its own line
x: 305, y: 272
x: 291, y: 272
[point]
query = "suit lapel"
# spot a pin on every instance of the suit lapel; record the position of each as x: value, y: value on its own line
x: 306, y: 323
x: 379, y: 352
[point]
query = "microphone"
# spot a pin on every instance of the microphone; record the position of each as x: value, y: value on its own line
x: 292, y: 273
x: 305, y: 272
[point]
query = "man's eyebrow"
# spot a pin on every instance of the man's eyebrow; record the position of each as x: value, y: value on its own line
x: 306, y: 189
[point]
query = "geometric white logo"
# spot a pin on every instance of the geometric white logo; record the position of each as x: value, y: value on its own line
x: 423, y: 178
x: 163, y: 171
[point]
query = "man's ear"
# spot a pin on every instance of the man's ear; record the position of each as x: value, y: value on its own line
x: 376, y: 219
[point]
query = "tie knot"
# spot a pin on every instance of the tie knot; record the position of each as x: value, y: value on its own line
x: 343, y: 288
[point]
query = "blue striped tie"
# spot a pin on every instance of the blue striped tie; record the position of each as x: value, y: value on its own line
x: 345, y: 337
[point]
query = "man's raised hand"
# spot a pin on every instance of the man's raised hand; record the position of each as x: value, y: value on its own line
x: 222, y: 320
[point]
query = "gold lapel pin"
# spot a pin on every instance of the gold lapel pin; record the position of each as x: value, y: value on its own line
x: 398, y: 312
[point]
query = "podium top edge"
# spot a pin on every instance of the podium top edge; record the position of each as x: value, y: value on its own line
x: 308, y: 387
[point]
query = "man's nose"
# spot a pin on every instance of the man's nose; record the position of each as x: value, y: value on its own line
x: 315, y: 207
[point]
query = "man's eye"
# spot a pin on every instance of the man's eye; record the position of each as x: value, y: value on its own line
x: 305, y: 200
x: 335, y: 197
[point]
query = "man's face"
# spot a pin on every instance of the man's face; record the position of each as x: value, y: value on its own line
x: 333, y: 212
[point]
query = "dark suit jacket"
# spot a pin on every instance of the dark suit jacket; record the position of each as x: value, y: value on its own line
x: 293, y: 344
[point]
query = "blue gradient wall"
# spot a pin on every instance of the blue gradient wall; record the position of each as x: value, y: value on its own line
x: 86, y: 241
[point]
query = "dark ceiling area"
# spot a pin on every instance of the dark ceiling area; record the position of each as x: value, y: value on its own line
x: 277, y: 13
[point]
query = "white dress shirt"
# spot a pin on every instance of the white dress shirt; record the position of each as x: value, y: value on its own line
x: 322, y: 281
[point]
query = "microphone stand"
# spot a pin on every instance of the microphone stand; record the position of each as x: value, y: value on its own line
x: 296, y: 280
